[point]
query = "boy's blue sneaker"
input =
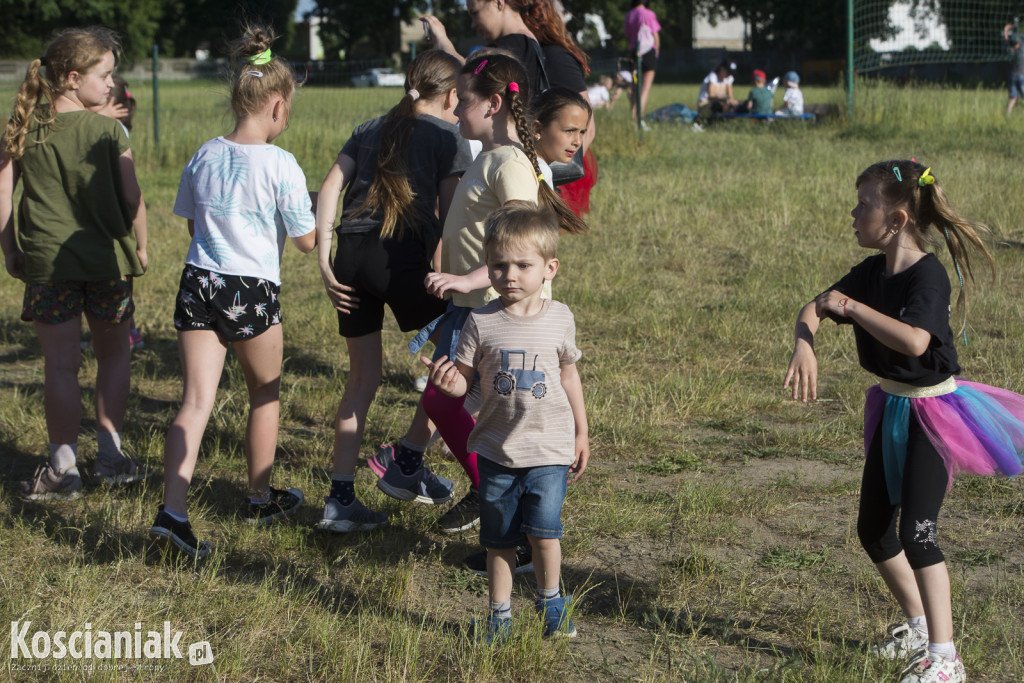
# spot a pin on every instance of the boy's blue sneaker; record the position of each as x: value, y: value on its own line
x: 422, y: 486
x: 493, y: 631
x: 554, y: 612
x: 340, y: 518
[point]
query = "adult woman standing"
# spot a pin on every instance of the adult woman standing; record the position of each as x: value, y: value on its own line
x: 643, y: 32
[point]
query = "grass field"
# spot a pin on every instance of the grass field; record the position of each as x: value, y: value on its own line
x: 712, y: 538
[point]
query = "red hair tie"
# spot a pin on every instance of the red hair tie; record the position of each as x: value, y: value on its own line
x: 513, y: 86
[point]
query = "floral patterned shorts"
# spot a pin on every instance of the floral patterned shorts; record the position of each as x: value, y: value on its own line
x: 58, y: 302
x: 234, y: 307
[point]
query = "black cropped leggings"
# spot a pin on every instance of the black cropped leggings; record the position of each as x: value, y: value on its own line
x: 886, y: 529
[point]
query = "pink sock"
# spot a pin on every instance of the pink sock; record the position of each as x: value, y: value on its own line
x: 454, y: 424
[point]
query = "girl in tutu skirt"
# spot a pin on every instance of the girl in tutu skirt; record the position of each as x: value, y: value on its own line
x: 922, y: 426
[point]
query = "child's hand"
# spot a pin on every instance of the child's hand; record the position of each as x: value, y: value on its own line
x: 15, y: 264
x: 582, y: 457
x: 832, y: 302
x: 143, y: 258
x: 445, y: 376
x: 339, y: 294
x: 803, y: 372
x: 439, y: 283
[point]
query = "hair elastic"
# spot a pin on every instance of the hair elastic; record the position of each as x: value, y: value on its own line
x: 926, y: 178
x: 513, y: 87
x: 540, y: 177
x: 262, y: 58
x: 42, y: 61
x: 896, y: 172
x: 257, y: 74
x: 413, y: 93
x: 479, y: 67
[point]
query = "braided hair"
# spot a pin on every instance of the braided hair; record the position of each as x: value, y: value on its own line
x: 500, y: 74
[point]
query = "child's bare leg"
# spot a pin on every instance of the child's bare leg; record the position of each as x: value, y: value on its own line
x: 903, y: 585
x: 113, y: 362
x: 202, y: 361
x: 933, y: 583
x: 547, y: 561
x: 365, y: 369
x: 500, y: 564
x: 261, y: 358
x: 62, y: 358
x: 647, y: 81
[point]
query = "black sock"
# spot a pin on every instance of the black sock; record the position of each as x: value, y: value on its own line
x: 343, y: 490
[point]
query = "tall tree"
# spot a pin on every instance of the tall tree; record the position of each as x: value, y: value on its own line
x: 28, y: 26
x: 188, y: 24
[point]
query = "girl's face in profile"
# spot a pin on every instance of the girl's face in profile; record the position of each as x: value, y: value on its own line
x: 563, y: 135
x: 870, y: 217
x: 92, y: 87
x: 471, y: 110
x: 485, y: 18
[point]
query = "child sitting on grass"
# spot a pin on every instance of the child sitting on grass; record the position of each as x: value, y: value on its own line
x: 793, y: 98
x: 759, y: 101
x: 531, y: 436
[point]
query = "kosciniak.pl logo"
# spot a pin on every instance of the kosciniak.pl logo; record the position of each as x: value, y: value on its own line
x: 89, y: 644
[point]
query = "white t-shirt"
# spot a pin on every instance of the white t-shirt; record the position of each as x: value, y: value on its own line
x: 245, y: 201
x: 598, y: 95
x: 794, y: 100
x: 709, y: 80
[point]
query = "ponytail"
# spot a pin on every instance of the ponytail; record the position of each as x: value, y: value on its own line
x: 78, y: 50
x: 431, y: 75
x: 909, y: 184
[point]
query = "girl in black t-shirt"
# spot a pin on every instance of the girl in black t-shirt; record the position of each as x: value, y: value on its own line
x: 922, y: 426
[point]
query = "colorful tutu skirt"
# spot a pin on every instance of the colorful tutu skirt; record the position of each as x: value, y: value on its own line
x: 976, y: 428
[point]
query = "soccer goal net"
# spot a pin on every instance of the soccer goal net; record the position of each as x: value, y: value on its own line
x: 907, y: 33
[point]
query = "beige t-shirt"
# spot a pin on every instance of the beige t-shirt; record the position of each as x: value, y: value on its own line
x: 525, y: 419
x: 496, y: 177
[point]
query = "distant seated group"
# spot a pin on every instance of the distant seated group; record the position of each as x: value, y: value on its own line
x: 716, y: 94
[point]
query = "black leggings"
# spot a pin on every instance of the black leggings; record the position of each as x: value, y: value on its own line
x: 924, y: 487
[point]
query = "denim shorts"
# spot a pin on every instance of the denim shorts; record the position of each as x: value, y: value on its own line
x: 517, y: 501
x: 1016, y: 85
x: 53, y: 303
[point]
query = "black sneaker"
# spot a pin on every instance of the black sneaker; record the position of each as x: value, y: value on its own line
x: 477, y: 562
x: 174, y: 534
x: 463, y: 515
x: 282, y: 503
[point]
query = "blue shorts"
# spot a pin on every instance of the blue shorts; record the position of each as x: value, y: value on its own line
x: 517, y: 501
x: 1016, y: 86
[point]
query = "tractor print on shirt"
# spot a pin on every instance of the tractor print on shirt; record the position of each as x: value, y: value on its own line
x: 507, y: 381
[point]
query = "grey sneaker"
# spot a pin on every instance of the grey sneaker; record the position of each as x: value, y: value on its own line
x: 178, y: 535
x: 122, y: 470
x: 46, y: 484
x: 902, y: 642
x: 422, y: 486
x: 340, y: 518
x: 282, y: 503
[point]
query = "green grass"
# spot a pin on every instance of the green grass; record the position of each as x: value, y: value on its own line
x: 713, y: 537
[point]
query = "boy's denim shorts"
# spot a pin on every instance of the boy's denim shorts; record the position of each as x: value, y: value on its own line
x: 517, y: 501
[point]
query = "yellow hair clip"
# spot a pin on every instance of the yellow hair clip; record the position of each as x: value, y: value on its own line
x: 540, y: 177
x: 262, y: 58
x: 926, y: 178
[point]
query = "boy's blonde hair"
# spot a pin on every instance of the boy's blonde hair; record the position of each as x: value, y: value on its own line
x: 522, y: 224
x: 78, y: 49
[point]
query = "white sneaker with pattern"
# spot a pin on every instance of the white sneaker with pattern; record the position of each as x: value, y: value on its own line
x: 903, y: 641
x: 928, y: 668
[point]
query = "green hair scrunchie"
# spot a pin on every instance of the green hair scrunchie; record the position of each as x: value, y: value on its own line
x: 262, y: 58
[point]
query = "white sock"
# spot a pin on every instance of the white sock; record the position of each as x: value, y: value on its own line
x: 944, y: 650
x: 63, y: 456
x: 919, y: 624
x: 109, y: 445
